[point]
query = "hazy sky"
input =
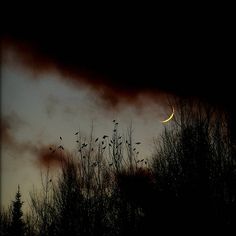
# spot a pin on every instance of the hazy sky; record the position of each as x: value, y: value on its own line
x: 39, y: 107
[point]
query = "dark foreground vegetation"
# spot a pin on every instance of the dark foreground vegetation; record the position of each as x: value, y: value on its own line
x: 108, y: 188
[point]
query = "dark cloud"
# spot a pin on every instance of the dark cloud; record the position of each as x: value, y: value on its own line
x: 120, y: 72
x: 181, y: 56
x: 119, y: 64
x: 50, y: 158
x: 46, y: 155
x: 111, y: 84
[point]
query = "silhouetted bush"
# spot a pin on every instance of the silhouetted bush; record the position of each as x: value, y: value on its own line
x: 5, y: 221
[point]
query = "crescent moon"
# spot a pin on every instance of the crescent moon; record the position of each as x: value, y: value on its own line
x: 170, y: 117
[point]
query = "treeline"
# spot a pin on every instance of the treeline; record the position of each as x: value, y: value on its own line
x: 107, y: 188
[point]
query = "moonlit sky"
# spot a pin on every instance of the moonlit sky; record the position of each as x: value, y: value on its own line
x: 41, y: 107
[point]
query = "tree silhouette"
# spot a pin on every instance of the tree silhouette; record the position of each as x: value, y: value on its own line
x: 17, y: 226
x: 194, y: 169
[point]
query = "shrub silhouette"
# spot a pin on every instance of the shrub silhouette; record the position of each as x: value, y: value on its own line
x: 5, y: 221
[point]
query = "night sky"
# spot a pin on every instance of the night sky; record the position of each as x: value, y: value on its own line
x: 59, y: 76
